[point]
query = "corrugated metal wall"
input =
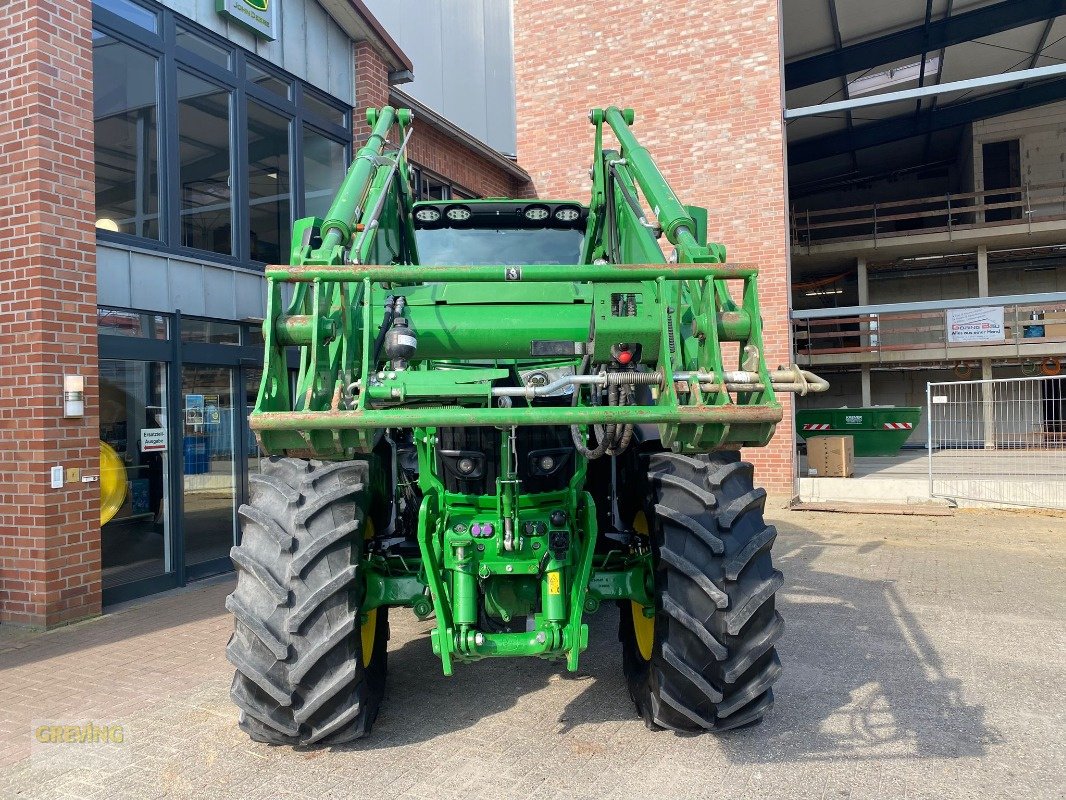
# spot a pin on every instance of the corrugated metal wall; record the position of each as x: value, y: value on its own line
x: 464, y: 61
x: 159, y: 282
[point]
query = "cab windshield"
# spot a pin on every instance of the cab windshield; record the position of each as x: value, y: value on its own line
x: 443, y: 247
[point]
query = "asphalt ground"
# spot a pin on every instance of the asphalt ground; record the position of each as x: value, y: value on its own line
x: 924, y: 658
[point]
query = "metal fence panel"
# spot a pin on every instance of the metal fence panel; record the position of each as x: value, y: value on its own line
x: 998, y: 441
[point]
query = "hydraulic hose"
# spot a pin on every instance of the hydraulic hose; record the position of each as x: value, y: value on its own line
x: 575, y: 431
x: 611, y: 439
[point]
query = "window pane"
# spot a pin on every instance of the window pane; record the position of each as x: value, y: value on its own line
x: 324, y: 110
x: 324, y: 170
x: 117, y: 322
x: 264, y: 79
x: 125, y: 100
x: 210, y: 332
x: 203, y: 48
x: 253, y: 334
x: 204, y: 172
x: 268, y: 185
x: 131, y: 12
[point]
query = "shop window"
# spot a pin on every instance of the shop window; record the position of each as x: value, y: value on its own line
x: 132, y: 12
x: 266, y: 80
x: 268, y: 185
x: 199, y: 45
x: 253, y: 335
x: 323, y: 110
x: 204, y: 172
x: 206, y: 331
x: 324, y: 168
x: 125, y: 136
x: 228, y: 103
x: 118, y: 322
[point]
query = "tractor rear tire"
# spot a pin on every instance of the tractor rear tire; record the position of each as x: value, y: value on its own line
x: 712, y: 659
x: 298, y: 645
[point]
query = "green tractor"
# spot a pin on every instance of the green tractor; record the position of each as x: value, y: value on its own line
x: 507, y: 414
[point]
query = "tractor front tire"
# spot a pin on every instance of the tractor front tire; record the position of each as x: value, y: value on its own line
x: 308, y: 670
x: 712, y: 660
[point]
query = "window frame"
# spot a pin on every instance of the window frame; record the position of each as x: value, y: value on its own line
x: 163, y: 46
x: 454, y: 190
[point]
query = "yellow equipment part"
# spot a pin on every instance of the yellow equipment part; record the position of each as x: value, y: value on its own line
x: 643, y: 627
x: 368, y: 631
x: 112, y: 483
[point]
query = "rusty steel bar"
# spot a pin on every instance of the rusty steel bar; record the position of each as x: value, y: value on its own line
x: 488, y: 273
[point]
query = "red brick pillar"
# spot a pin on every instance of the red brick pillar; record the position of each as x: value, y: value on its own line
x: 371, y: 88
x: 49, y: 538
x: 705, y: 81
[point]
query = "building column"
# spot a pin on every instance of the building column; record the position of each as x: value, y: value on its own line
x: 864, y: 300
x: 867, y: 395
x: 864, y: 281
x: 988, y: 406
x: 982, y: 270
x: 49, y: 535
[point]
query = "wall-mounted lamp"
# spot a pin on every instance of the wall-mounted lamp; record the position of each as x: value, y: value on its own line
x: 73, y: 396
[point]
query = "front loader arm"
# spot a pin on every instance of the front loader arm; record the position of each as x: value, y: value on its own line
x: 632, y: 317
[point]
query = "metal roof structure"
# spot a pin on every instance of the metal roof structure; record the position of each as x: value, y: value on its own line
x: 836, y: 50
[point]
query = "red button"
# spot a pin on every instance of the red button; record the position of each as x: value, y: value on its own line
x: 625, y: 357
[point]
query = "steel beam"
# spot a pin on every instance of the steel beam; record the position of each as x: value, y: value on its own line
x: 931, y: 305
x: 1020, y: 76
x: 927, y: 121
x: 892, y: 47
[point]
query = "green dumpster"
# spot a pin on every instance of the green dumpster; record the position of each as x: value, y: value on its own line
x: 878, y: 431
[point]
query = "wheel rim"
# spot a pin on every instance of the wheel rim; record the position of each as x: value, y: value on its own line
x: 368, y: 631
x: 643, y: 627
x: 112, y: 483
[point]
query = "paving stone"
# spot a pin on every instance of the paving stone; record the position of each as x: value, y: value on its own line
x: 923, y: 657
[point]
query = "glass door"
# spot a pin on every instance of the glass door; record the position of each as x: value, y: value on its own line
x: 210, y: 471
x: 135, y: 520
x: 251, y: 377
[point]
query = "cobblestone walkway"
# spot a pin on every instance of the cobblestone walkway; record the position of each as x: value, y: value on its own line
x: 924, y: 658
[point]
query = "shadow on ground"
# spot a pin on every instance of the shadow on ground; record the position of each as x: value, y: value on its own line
x: 861, y: 679
x: 184, y: 608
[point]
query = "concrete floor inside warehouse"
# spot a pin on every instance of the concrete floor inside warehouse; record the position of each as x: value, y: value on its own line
x: 924, y: 657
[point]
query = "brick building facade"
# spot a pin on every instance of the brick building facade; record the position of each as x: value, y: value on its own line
x: 706, y: 87
x: 153, y: 296
x: 49, y: 538
x: 68, y: 287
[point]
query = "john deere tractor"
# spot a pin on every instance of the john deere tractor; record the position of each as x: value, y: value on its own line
x: 508, y: 414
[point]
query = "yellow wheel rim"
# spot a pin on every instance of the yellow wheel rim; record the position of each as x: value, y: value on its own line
x: 112, y: 483
x: 368, y: 632
x: 643, y: 627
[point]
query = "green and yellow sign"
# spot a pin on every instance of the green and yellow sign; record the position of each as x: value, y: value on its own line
x: 258, y: 16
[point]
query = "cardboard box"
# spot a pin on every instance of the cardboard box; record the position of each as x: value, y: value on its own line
x: 1055, y: 330
x: 831, y: 457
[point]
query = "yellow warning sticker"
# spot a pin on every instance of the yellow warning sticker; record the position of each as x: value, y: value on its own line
x: 554, y: 584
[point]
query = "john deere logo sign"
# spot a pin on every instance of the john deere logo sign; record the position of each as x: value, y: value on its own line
x: 259, y: 16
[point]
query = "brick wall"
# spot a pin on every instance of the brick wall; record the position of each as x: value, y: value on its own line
x: 429, y: 146
x: 705, y: 81
x: 49, y: 538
